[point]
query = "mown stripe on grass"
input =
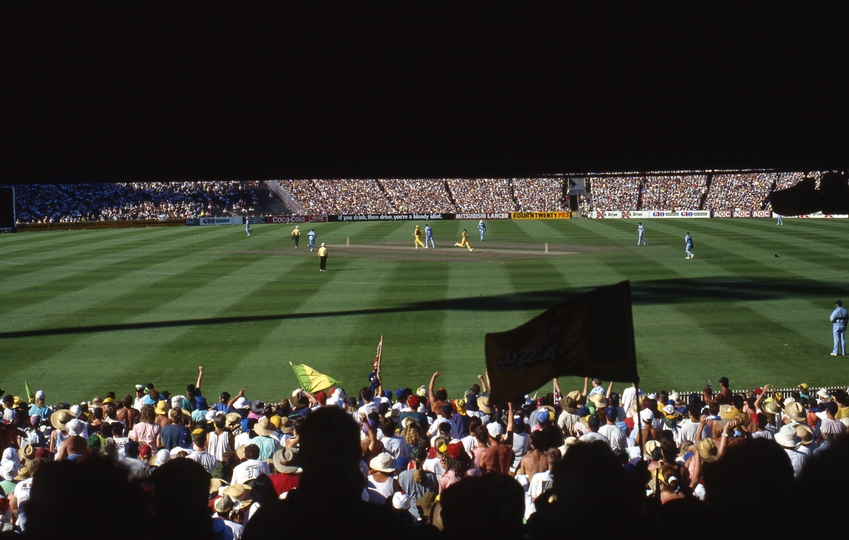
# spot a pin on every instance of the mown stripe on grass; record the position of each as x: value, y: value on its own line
x: 60, y: 264
x: 66, y: 291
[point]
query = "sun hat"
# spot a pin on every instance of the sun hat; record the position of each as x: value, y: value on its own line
x: 161, y: 457
x: 795, y: 411
x: 299, y: 400
x: 599, y: 400
x: 384, y: 463
x: 74, y: 427
x: 61, y: 417
x: 422, y: 391
x: 232, y: 419
x: 483, y: 405
x: 264, y: 427
x: 569, y: 405
x: 241, y: 403
x: 401, y: 501
x: 223, y: 504
x: 285, y: 461
x: 256, y: 406
x: 707, y: 448
x: 771, y: 407
x: 651, y: 446
x: 823, y: 394
x: 804, y: 433
x: 393, y: 414
x: 161, y: 407
x: 215, y: 485
x: 787, y: 437
x: 286, y: 425
x: 237, y: 492
x: 23, y: 474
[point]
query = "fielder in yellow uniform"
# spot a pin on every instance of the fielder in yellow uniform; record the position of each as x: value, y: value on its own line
x: 464, y: 241
x: 418, y: 234
x: 296, y: 236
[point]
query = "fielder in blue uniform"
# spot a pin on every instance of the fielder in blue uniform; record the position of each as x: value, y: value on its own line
x: 429, y: 236
x: 688, y: 246
x: 838, y: 325
x: 482, y: 228
x: 311, y: 238
x: 640, y: 232
x: 247, y: 226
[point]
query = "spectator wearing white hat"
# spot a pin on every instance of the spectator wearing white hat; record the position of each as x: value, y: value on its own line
x: 790, y: 441
x: 75, y: 445
x: 38, y: 407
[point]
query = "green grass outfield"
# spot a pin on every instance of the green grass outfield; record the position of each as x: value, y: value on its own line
x: 84, y: 312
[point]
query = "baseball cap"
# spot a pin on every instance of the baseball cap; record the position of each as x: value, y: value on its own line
x: 494, y: 429
x: 40, y: 394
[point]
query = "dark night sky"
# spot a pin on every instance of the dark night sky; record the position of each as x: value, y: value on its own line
x: 106, y: 93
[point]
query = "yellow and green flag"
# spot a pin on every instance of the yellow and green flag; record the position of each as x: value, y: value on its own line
x: 311, y: 380
x: 590, y: 335
x: 29, y: 393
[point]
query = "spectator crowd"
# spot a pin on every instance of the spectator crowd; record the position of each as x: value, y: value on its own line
x: 420, y: 463
x: 60, y: 203
x: 52, y: 203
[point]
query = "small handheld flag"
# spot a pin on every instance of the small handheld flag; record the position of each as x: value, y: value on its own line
x: 378, y: 356
x: 29, y: 393
x: 310, y: 379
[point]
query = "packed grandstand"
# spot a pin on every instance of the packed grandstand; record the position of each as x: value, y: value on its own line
x: 662, y: 191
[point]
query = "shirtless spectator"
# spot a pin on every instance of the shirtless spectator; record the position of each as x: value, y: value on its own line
x: 499, y: 457
x: 74, y: 446
x: 535, y: 460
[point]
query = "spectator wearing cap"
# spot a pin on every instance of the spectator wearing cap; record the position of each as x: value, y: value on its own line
x: 381, y: 477
x: 499, y: 456
x: 199, y: 453
x: 136, y: 468
x: 457, y: 465
x: 38, y: 407
x: 250, y: 467
x: 460, y: 418
x: 138, y: 400
x: 615, y: 436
